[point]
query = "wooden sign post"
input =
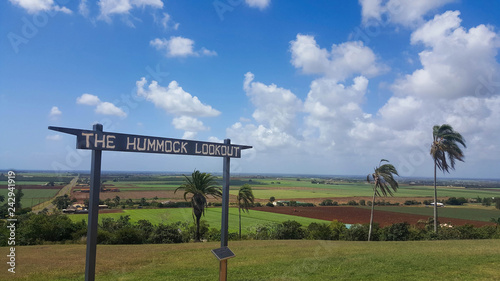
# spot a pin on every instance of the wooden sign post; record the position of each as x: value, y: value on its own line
x: 97, y: 140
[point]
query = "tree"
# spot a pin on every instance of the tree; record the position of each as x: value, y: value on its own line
x: 383, y: 178
x: 117, y: 200
x: 445, y: 151
x: 245, y: 199
x: 199, y: 185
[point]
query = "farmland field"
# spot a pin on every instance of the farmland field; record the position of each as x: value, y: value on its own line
x: 33, y: 196
x: 459, y: 212
x: 267, y: 260
x: 212, y: 217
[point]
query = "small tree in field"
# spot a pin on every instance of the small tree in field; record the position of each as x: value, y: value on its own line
x: 383, y: 179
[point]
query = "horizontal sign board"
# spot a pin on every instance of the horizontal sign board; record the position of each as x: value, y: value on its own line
x: 223, y: 253
x: 97, y: 140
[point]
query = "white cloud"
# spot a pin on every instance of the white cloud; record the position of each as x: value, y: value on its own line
x: 54, y: 112
x: 88, y: 99
x: 455, y: 61
x: 174, y: 100
x: 188, y: 123
x: 83, y: 9
x: 261, y: 4
x: 117, y: 7
x: 403, y: 12
x: 108, y: 108
x: 105, y: 108
x: 343, y: 61
x: 167, y: 23
x: 54, y: 137
x: 275, y: 107
x: 36, y: 6
x: 178, y: 46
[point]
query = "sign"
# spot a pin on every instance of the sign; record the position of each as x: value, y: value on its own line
x: 223, y: 253
x: 96, y: 140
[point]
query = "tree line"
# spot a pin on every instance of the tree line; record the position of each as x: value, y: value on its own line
x: 44, y: 228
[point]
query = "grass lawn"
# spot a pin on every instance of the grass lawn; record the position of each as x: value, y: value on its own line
x: 212, y: 216
x: 267, y: 260
x: 457, y: 212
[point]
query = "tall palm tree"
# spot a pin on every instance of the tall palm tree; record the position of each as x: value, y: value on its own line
x: 383, y: 179
x: 245, y: 199
x: 445, y: 151
x: 199, y: 185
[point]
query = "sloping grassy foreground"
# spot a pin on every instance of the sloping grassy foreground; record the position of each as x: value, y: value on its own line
x: 267, y: 260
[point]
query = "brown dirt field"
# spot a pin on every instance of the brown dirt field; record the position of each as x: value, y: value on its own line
x: 163, y: 195
x: 353, y: 215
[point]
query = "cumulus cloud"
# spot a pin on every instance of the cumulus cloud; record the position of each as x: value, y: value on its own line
x: 188, y: 123
x: 275, y: 107
x: 55, y: 112
x: 88, y: 99
x: 123, y: 7
x: 406, y: 12
x: 178, y: 46
x: 105, y: 108
x: 174, y: 100
x: 341, y: 62
x: 36, y: 6
x: 261, y: 4
x: 455, y: 60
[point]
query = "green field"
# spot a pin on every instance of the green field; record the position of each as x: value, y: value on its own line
x: 302, y: 189
x: 267, y: 260
x: 32, y: 197
x: 212, y: 217
x: 457, y: 212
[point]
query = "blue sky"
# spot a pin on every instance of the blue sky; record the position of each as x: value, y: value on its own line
x: 316, y: 87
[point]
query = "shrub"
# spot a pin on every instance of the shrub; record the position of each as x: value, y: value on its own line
x: 328, y: 202
x: 456, y: 201
x: 396, y: 232
x: 352, y: 203
x: 319, y: 231
x: 362, y: 202
x: 359, y: 232
x: 264, y: 232
x: 166, y: 234
x: 290, y: 230
x: 337, y: 229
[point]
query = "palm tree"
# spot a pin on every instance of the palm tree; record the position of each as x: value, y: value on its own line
x: 496, y: 221
x: 384, y: 181
x: 445, y: 151
x: 200, y: 185
x: 245, y: 199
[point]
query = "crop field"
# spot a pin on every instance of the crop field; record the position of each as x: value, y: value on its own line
x: 212, y: 217
x: 267, y: 260
x: 33, y: 196
x: 284, y: 191
x: 458, y: 212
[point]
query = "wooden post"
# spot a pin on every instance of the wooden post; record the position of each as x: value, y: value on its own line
x: 225, y: 211
x: 95, y: 187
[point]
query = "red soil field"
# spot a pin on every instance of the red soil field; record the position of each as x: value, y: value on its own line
x: 353, y: 215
